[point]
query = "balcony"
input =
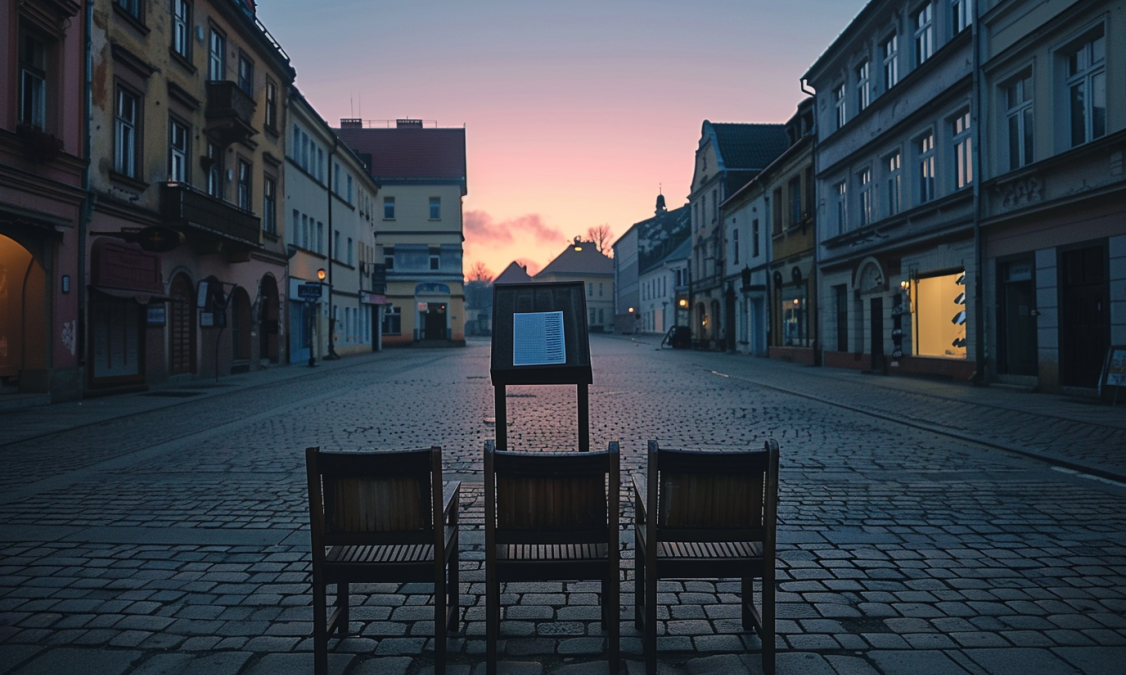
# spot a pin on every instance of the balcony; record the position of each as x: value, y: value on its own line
x: 206, y: 220
x: 230, y: 112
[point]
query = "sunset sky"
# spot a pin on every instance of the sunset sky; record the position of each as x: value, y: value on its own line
x: 576, y: 112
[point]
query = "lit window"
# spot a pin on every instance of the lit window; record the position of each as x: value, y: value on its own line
x: 963, y: 149
x: 1018, y: 101
x: 126, y: 120
x: 924, y: 34
x: 1086, y: 85
x: 177, y: 152
x: 940, y: 316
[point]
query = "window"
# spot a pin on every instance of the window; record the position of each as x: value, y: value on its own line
x: 590, y: 289
x: 389, y: 257
x: 271, y: 104
x: 336, y: 178
x: 715, y: 205
x: 435, y: 208
x: 963, y: 149
x: 215, y: 171
x: 295, y: 229
x: 321, y: 165
x: 754, y: 238
x: 126, y: 123
x: 245, y: 74
x: 392, y: 320
x: 961, y: 15
x: 864, y: 178
x: 389, y: 208
x: 795, y: 200
x: 319, y: 243
x: 863, y: 86
x: 349, y: 188
x: 269, y: 205
x: 940, y: 316
x: 841, y: 192
x: 303, y: 232
x: 336, y: 245
x: 349, y: 258
x: 839, y: 102
x: 600, y: 289
x: 33, y: 80
x: 244, y: 185
x: 924, y: 34
x: 891, y: 61
x: 217, y: 56
x: 735, y: 246
x: 1086, y: 90
x: 1018, y: 102
x: 131, y: 7
x: 926, y: 167
x: 177, y: 152
x: 894, y: 183
x: 776, y: 214
x: 181, y: 28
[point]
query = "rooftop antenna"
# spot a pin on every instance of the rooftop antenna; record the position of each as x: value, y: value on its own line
x: 351, y: 108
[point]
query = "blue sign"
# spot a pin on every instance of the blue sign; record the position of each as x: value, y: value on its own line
x: 309, y: 291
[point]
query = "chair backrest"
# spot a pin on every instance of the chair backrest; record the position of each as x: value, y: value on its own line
x: 713, y: 496
x: 373, y: 497
x: 534, y: 497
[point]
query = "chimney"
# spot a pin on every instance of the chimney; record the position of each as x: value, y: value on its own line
x: 351, y: 123
x: 408, y: 124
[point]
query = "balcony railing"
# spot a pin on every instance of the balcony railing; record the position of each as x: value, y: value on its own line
x: 199, y: 215
x: 230, y: 112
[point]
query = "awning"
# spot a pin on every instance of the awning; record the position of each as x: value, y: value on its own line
x: 142, y: 297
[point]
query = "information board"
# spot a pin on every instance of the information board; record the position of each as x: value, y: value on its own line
x: 537, y: 339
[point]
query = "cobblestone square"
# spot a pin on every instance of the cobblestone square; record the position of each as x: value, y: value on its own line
x: 925, y: 527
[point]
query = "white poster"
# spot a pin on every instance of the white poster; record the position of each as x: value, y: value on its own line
x: 537, y: 339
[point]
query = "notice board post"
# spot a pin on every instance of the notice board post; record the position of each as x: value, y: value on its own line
x: 540, y: 337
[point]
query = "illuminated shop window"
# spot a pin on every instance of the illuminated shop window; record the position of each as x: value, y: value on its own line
x: 940, y: 316
x: 795, y: 323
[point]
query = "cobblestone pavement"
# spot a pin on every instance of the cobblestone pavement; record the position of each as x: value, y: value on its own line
x: 925, y: 527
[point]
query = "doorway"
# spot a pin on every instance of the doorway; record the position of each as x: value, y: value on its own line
x: 1084, y: 315
x: 1016, y: 321
x: 181, y: 324
x: 877, y: 328
x: 434, y: 321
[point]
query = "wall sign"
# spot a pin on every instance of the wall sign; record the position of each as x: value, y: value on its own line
x: 154, y: 315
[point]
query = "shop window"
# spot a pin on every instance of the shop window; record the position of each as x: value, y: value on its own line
x: 393, y: 320
x: 940, y: 316
x: 795, y: 318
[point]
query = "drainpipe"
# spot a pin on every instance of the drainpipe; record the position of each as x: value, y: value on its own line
x: 87, y: 210
x: 332, y: 355
x: 976, y: 106
x: 815, y: 271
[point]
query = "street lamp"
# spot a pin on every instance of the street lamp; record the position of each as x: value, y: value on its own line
x: 312, y: 320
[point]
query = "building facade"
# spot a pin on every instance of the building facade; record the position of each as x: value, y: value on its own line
x: 895, y: 182
x: 663, y: 250
x: 42, y: 198
x: 421, y: 173
x: 582, y: 261
x: 626, y: 296
x: 1053, y: 194
x: 727, y: 157
x: 189, y: 165
x: 330, y: 203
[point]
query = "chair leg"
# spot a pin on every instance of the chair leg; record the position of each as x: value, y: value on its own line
x: 492, y: 625
x: 768, y: 648
x: 638, y: 589
x: 440, y: 623
x: 342, y: 603
x: 649, y: 637
x: 320, y: 629
x: 611, y: 603
x: 747, y: 596
x: 454, y: 590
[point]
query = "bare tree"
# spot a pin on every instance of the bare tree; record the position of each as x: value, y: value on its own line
x: 601, y: 236
x: 479, y: 272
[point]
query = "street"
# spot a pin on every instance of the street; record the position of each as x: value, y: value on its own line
x: 925, y: 527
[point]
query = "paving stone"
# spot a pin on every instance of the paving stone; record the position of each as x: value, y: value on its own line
x: 921, y: 662
x: 300, y: 664
x: 68, y: 661
x: 1019, y: 662
x: 723, y: 664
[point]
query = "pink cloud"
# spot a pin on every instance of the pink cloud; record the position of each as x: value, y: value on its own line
x: 481, y: 228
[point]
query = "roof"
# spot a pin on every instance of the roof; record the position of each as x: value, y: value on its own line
x: 515, y: 273
x: 587, y: 260
x: 660, y: 235
x: 748, y: 147
x: 411, y: 154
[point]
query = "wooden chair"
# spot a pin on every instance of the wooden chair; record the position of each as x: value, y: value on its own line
x: 703, y: 515
x: 381, y: 517
x: 551, y: 516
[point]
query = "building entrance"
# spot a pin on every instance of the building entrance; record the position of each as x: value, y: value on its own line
x: 1084, y: 315
x: 1017, y: 323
